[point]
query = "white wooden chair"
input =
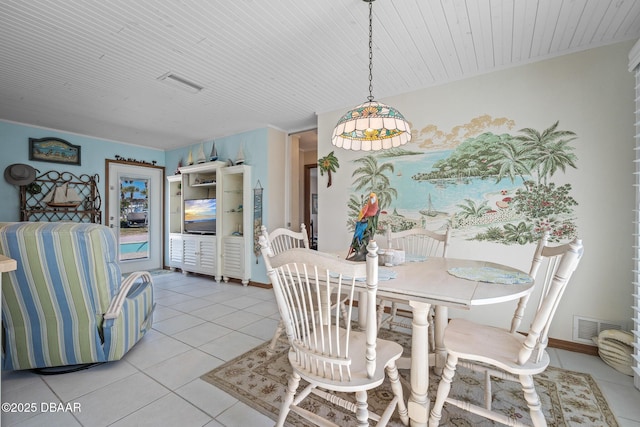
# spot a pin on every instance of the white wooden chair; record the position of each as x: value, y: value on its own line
x: 505, y: 353
x: 327, y: 356
x: 416, y: 242
x: 283, y: 239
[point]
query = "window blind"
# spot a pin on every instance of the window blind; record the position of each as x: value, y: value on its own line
x: 634, y: 66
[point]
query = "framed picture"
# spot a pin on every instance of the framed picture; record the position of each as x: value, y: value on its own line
x: 314, y: 203
x: 54, y: 150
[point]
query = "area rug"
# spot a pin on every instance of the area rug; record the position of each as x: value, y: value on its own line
x: 568, y: 398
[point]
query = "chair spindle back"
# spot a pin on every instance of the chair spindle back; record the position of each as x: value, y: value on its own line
x: 303, y: 280
x: 562, y: 262
x: 419, y: 241
x: 282, y: 239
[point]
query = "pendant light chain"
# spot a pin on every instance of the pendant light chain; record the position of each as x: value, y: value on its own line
x: 370, y: 97
x: 372, y: 125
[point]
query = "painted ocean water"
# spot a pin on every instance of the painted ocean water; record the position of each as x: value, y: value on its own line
x: 445, y: 195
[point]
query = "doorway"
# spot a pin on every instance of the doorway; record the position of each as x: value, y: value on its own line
x: 311, y: 203
x: 303, y: 162
x: 134, y: 212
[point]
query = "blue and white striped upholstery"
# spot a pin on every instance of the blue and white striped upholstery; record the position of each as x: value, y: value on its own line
x: 67, y: 303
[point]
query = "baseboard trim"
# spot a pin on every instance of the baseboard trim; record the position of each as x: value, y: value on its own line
x: 260, y: 285
x: 577, y: 347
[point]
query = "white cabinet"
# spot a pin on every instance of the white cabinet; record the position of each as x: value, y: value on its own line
x: 193, y: 247
x: 222, y: 249
x: 236, y: 228
x: 233, y: 259
x: 194, y: 254
x: 174, y: 219
x: 175, y: 250
x: 199, y: 254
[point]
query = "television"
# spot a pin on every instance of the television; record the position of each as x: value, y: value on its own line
x: 200, y: 216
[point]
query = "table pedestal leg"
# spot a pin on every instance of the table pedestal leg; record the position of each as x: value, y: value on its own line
x: 419, y: 401
x: 440, y: 322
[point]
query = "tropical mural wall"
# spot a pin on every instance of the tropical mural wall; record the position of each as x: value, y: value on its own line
x: 590, y: 94
x: 488, y: 179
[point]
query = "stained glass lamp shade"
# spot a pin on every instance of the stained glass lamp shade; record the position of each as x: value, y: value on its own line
x: 371, y: 126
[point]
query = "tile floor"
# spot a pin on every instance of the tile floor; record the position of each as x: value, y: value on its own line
x: 198, y: 325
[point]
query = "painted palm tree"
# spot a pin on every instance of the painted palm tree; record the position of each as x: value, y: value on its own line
x: 473, y: 210
x: 556, y: 156
x: 328, y: 164
x: 373, y: 177
x: 549, y: 150
x: 513, y: 162
x: 353, y: 205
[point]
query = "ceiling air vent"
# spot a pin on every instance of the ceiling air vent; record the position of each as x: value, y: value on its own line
x: 180, y: 82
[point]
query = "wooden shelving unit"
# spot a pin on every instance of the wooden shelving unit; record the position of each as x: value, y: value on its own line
x: 33, y: 206
x: 236, y: 229
x: 227, y: 254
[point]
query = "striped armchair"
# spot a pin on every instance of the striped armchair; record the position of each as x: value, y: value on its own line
x: 67, y: 303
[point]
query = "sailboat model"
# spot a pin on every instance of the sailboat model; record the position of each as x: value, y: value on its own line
x: 62, y: 197
x: 201, y: 158
x: 214, y: 153
x: 240, y: 159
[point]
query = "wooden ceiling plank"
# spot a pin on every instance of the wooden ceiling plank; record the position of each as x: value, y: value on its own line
x: 274, y: 63
x: 546, y: 27
x: 479, y: 14
x: 570, y: 14
x: 460, y: 29
x: 589, y: 22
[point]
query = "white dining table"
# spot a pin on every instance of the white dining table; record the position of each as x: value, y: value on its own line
x: 429, y: 282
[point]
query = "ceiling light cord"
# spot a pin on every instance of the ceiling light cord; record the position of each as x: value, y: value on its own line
x: 372, y: 125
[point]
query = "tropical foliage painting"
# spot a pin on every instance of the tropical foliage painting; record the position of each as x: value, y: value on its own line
x: 485, y: 185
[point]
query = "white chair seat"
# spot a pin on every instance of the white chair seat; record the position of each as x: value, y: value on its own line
x: 468, y: 340
x: 386, y: 351
x: 505, y: 353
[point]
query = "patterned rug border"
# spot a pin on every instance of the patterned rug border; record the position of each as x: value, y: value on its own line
x: 260, y: 405
x: 565, y: 418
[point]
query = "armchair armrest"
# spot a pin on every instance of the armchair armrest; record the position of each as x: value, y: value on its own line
x: 116, y: 304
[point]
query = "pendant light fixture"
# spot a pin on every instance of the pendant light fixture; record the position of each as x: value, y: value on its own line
x: 371, y: 126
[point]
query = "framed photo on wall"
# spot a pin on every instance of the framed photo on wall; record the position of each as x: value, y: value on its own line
x: 54, y: 150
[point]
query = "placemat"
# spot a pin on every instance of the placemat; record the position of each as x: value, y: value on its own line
x: 491, y: 275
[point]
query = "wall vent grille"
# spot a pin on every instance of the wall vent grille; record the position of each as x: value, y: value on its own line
x: 584, y: 328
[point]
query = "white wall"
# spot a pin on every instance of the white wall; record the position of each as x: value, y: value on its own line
x: 295, y: 184
x: 592, y: 94
x: 274, y: 217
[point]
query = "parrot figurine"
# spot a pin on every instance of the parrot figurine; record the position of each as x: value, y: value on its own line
x: 365, y: 229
